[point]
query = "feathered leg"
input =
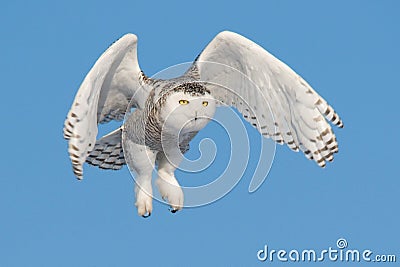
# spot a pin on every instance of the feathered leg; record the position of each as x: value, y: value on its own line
x: 167, y: 184
x: 141, y: 161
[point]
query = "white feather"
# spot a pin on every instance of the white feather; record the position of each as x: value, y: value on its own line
x: 104, y: 95
x: 268, y: 85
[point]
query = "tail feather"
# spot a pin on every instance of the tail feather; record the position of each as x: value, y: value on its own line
x: 107, y: 152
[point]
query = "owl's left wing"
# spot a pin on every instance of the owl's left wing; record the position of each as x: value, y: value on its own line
x: 271, y: 96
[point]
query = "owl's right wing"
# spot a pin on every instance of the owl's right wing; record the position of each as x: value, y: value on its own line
x: 111, y: 85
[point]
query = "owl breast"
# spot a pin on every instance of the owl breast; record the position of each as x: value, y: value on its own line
x: 173, y: 114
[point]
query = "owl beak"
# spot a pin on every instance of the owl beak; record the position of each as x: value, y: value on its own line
x: 195, y: 116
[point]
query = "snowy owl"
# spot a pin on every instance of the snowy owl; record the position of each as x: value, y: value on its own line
x: 163, y: 116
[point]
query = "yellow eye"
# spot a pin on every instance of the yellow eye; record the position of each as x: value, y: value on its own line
x: 205, y: 103
x: 183, y: 102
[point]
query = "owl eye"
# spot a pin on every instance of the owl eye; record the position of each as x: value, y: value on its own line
x: 205, y: 103
x: 183, y: 102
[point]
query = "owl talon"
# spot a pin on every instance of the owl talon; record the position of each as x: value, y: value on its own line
x: 173, y: 210
x: 147, y: 215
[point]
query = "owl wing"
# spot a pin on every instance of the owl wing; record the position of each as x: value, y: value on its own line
x: 271, y: 96
x: 104, y: 95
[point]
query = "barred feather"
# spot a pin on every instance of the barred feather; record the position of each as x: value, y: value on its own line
x: 107, y: 152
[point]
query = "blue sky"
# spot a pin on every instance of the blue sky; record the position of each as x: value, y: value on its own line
x: 347, y: 50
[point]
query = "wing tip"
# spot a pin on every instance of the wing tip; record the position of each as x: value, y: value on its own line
x: 226, y: 34
x: 78, y: 172
x: 128, y: 37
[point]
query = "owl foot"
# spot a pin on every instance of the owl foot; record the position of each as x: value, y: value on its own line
x: 143, y: 203
x: 172, y: 193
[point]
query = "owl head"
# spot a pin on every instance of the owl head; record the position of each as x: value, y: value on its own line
x: 187, y: 108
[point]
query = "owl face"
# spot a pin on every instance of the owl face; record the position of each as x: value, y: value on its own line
x: 184, y: 112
